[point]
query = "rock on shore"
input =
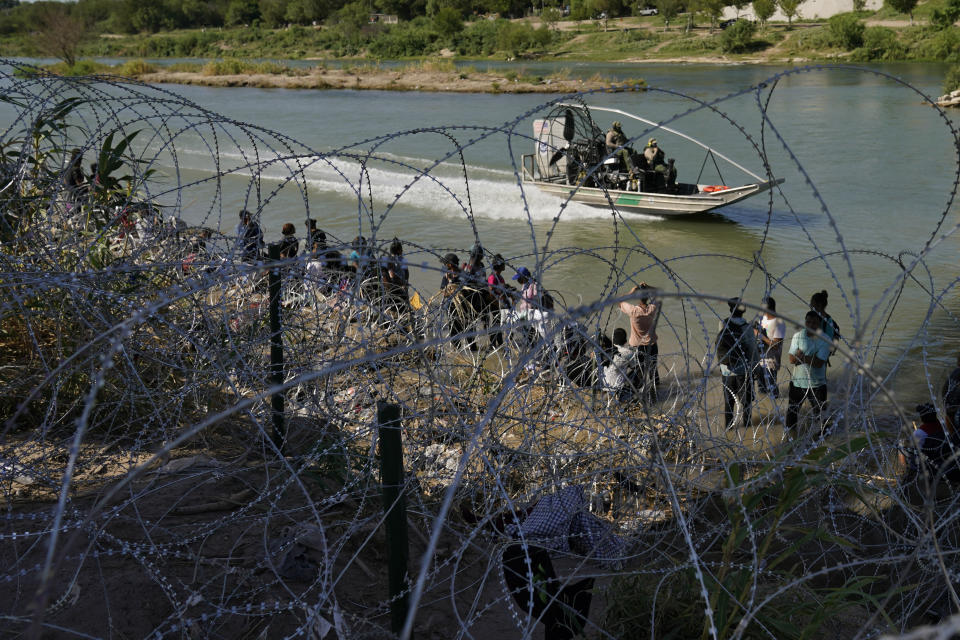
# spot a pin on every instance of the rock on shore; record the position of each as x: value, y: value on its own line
x: 949, y: 100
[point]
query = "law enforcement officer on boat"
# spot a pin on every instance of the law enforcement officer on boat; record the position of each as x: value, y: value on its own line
x: 653, y: 160
x: 615, y: 141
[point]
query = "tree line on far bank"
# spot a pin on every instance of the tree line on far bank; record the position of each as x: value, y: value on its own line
x: 475, y: 28
x: 135, y: 16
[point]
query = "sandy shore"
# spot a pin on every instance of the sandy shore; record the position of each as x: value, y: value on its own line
x: 382, y: 80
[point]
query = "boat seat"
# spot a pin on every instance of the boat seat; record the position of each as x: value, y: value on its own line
x: 653, y: 182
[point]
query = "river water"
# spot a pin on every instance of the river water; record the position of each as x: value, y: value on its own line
x: 869, y: 176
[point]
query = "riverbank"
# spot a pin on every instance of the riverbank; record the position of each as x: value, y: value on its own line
x: 425, y: 76
x: 382, y: 80
x: 178, y: 477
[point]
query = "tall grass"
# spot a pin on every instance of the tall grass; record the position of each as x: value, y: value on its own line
x: 753, y: 576
x: 244, y: 67
x: 135, y: 68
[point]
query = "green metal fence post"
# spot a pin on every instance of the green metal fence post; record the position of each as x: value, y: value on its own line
x: 395, y: 508
x: 276, y: 347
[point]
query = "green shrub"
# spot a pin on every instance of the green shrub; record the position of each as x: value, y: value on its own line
x: 688, y: 45
x: 158, y: 47
x: 270, y: 68
x: 237, y: 67
x: 737, y: 37
x: 80, y: 68
x: 518, y: 37
x: 944, y: 45
x: 485, y: 37
x: 880, y: 43
x: 847, y: 30
x: 448, y: 21
x: 633, y: 36
x: 630, y: 41
x: 944, y: 19
x: 480, y: 39
x: 405, y: 40
x: 951, y: 81
x: 134, y: 68
x: 812, y: 41
x: 639, y: 604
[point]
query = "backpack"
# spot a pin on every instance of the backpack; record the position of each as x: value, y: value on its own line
x: 730, y: 348
x: 546, y: 300
x: 836, y: 334
x: 938, y: 454
x: 606, y: 350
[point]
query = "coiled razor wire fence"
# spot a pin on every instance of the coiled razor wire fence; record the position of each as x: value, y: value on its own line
x: 149, y: 489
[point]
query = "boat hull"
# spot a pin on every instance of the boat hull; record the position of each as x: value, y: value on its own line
x: 656, y: 204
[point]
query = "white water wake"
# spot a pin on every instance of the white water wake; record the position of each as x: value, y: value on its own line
x: 406, y: 181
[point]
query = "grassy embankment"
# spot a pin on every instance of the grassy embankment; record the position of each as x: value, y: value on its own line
x: 852, y: 37
x: 865, y: 36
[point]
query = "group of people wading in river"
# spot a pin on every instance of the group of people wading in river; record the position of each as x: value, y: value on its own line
x: 474, y: 301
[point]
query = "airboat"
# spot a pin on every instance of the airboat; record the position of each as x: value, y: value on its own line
x: 571, y: 161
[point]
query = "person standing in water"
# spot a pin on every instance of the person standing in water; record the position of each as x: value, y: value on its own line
x: 770, y: 334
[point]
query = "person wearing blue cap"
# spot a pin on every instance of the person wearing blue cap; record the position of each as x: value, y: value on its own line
x: 529, y: 291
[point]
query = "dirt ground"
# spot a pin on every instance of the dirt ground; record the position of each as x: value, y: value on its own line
x: 210, y: 541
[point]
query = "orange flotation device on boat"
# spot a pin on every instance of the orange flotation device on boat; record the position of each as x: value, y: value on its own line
x: 714, y: 187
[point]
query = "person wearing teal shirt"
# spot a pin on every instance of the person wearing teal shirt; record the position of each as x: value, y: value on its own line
x: 808, y: 355
x: 829, y: 326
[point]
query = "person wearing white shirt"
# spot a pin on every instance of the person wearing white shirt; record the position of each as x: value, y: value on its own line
x: 771, y: 334
x: 618, y: 375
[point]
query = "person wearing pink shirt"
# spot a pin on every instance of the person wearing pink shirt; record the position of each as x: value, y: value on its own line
x: 529, y: 291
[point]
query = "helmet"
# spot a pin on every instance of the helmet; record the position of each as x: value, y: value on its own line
x: 616, y: 124
x: 652, y: 142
